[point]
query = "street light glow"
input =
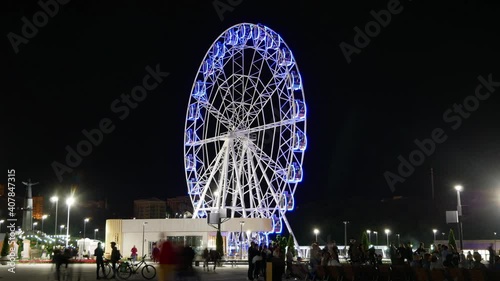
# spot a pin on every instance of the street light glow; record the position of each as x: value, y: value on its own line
x: 458, y: 188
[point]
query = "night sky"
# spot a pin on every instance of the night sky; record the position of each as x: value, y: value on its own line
x: 405, y: 85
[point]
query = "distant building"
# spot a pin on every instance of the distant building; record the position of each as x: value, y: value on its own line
x: 179, y: 205
x: 38, y: 207
x: 152, y: 208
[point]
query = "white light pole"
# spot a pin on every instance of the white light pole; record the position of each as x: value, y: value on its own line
x: 399, y: 242
x: 376, y: 237
x: 387, y: 231
x: 369, y: 236
x: 316, y: 232
x: 1, y: 222
x: 345, y: 237
x: 62, y: 227
x: 85, y: 221
x: 242, y: 223
x: 494, y: 233
x: 34, y: 224
x: 43, y: 218
x: 143, y: 240
x: 95, y: 233
x: 434, y: 231
x: 459, y: 188
x: 55, y: 199
x: 69, y: 202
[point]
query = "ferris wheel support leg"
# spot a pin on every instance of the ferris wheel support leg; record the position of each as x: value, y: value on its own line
x: 291, y: 232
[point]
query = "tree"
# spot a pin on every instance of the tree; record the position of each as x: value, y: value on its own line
x: 219, y: 243
x: 291, y: 245
x: 365, y: 244
x: 5, y: 246
x: 451, y: 239
x: 20, y: 248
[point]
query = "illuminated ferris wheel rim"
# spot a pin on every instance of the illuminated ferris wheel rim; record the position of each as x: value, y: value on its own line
x: 212, y: 83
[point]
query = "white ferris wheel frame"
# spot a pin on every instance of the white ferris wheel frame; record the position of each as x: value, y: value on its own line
x: 245, y: 129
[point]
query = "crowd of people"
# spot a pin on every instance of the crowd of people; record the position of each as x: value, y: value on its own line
x: 442, y: 256
x: 436, y: 257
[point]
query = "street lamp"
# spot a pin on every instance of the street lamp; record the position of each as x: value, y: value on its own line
x: 69, y: 202
x: 242, y: 223
x: 345, y: 237
x: 1, y: 222
x: 143, y: 240
x: 397, y: 234
x: 494, y: 233
x: 459, y: 188
x: 85, y: 221
x: 387, y: 234
x: 62, y: 227
x: 369, y: 236
x: 316, y: 232
x: 55, y: 199
x: 34, y: 224
x: 376, y: 237
x: 95, y: 233
x: 434, y: 231
x: 43, y: 218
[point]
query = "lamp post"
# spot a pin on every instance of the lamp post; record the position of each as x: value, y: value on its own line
x: 434, y: 231
x: 316, y: 232
x: 62, y: 227
x: 55, y: 199
x: 387, y: 234
x: 397, y: 234
x: 459, y: 188
x: 43, y: 218
x: 34, y: 224
x: 95, y: 233
x: 143, y: 240
x: 242, y: 223
x: 69, y: 202
x: 369, y: 236
x: 345, y: 237
x: 494, y: 233
x: 376, y: 237
x: 1, y: 222
x: 85, y: 221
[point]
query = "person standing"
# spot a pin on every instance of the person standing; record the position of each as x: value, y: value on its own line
x: 252, y: 252
x: 133, y: 254
x: 99, y: 260
x: 115, y: 257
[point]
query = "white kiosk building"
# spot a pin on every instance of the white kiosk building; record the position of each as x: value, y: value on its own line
x: 197, y: 233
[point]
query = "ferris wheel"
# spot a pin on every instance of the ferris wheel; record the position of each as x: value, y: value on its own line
x: 245, y: 128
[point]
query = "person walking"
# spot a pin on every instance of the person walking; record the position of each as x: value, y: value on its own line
x: 133, y: 254
x: 99, y: 260
x: 168, y: 262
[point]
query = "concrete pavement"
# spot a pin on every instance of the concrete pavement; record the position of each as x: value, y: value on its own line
x: 86, y: 272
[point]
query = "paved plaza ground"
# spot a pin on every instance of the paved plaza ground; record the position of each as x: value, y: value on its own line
x: 86, y: 272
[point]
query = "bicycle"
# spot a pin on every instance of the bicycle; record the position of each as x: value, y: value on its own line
x: 126, y: 269
x: 108, y: 268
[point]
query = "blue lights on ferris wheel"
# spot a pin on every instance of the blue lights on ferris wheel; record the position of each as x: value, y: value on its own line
x: 239, y: 52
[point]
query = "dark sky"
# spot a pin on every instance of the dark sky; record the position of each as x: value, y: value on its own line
x: 361, y: 115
